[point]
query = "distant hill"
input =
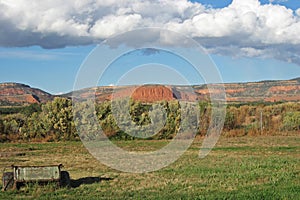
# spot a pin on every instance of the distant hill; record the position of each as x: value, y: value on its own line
x: 263, y: 91
x: 12, y: 94
x: 296, y: 79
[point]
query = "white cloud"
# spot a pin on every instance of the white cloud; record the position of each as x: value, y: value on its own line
x: 111, y: 25
x: 244, y: 28
x: 298, y: 12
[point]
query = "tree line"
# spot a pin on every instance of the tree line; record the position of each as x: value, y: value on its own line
x: 53, y: 121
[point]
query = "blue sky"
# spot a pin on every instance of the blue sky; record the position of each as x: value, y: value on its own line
x: 51, y: 70
x: 292, y: 4
x: 44, y: 59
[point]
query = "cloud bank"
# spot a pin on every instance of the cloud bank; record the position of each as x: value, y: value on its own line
x: 244, y: 28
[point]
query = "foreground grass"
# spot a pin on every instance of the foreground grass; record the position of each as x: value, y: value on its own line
x: 237, y: 168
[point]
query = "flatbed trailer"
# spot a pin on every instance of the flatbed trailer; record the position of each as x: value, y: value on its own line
x: 40, y: 174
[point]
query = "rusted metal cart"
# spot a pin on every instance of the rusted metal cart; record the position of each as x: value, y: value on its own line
x: 39, y: 174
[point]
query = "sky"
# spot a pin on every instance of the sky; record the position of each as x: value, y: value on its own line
x: 45, y: 43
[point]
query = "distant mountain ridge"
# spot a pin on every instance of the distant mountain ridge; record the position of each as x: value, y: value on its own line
x: 296, y: 79
x: 263, y: 91
x: 16, y: 94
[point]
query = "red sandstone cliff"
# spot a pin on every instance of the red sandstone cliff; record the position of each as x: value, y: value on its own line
x: 20, y: 94
x: 269, y: 91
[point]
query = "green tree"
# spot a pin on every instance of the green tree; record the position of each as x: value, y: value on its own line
x: 3, y: 136
x: 230, y: 120
x: 291, y: 121
x: 37, y: 126
x: 32, y: 108
x: 60, y: 118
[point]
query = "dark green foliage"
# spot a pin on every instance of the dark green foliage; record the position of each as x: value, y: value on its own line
x: 9, y: 110
x: 13, y: 123
x: 103, y: 110
x: 59, y: 118
x: 230, y: 120
x: 32, y: 108
x: 54, y: 121
x: 139, y: 113
x: 26, y: 110
x: 3, y: 137
x: 291, y: 121
x: 204, y: 118
x: 36, y: 127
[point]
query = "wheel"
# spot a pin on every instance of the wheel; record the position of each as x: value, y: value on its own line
x: 65, y: 180
x: 7, y: 180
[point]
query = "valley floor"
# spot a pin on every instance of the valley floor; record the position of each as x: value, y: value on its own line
x: 264, y: 167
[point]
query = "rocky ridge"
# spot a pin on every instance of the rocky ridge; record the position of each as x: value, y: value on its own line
x: 12, y: 94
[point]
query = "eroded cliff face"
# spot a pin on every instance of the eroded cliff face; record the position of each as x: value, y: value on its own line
x: 145, y: 93
x: 20, y: 94
x: 153, y: 93
x: 268, y: 91
x: 21, y: 99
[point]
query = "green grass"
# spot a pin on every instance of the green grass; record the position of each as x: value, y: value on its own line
x: 237, y: 168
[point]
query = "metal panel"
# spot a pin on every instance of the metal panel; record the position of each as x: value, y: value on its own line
x: 36, y: 173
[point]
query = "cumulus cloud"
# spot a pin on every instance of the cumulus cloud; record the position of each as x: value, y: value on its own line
x: 244, y: 28
x: 298, y: 12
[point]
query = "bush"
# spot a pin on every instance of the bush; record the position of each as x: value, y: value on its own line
x: 291, y: 121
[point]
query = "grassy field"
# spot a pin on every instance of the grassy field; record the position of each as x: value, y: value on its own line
x: 237, y: 168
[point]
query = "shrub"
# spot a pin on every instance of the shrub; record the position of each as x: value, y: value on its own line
x: 291, y: 121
